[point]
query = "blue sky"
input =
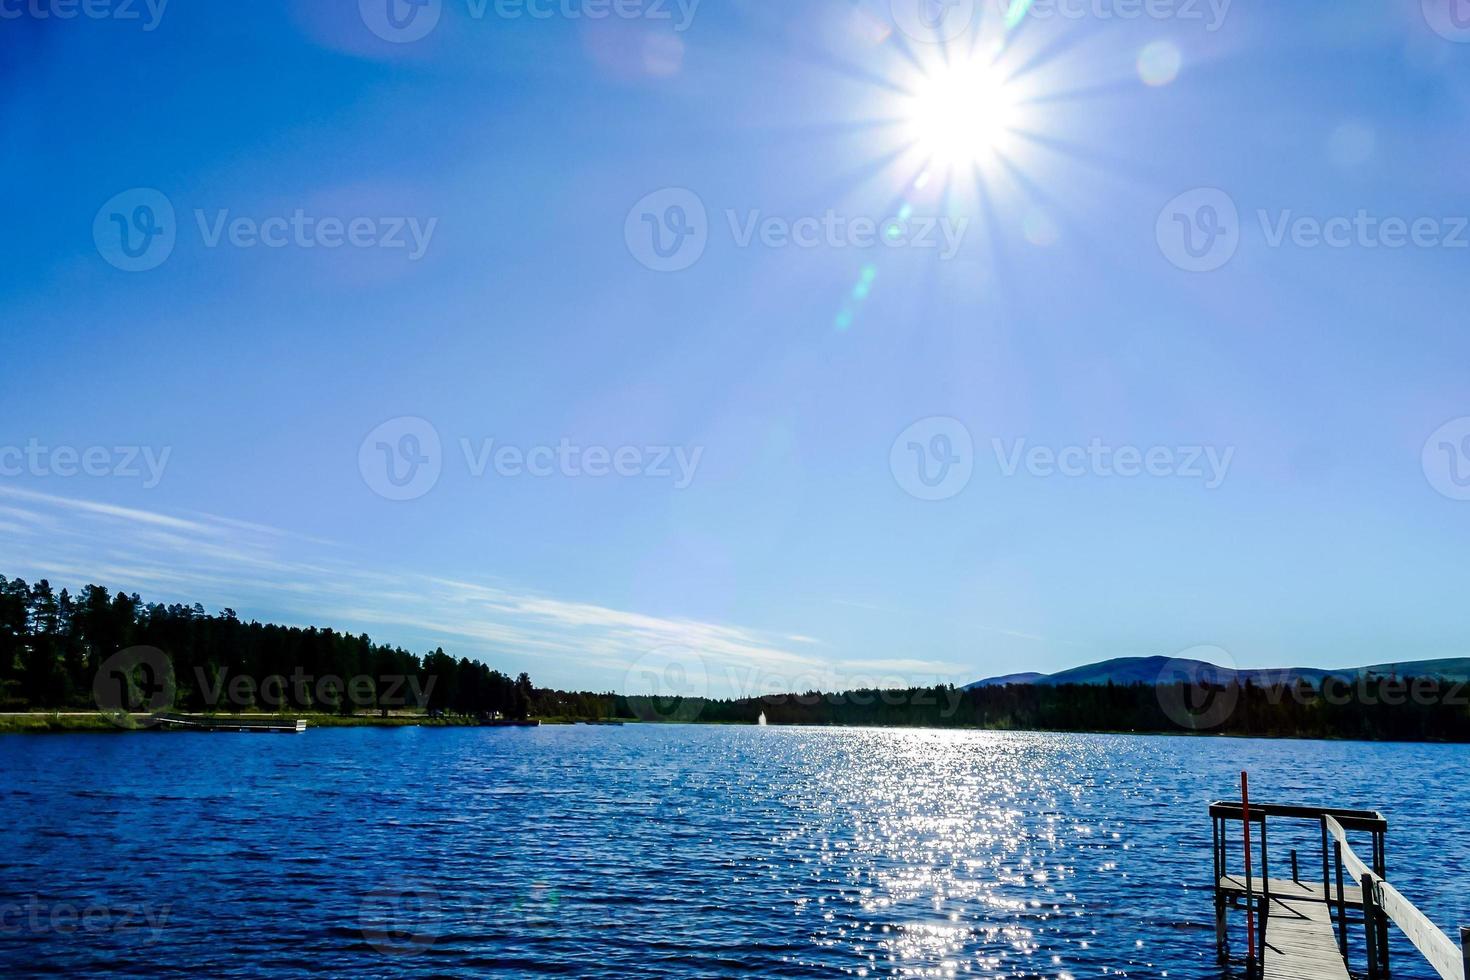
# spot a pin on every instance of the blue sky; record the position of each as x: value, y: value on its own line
x: 527, y: 313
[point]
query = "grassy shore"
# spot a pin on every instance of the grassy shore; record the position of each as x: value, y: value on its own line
x: 92, y: 721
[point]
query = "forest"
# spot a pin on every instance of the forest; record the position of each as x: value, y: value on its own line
x: 101, y: 649
x: 59, y: 651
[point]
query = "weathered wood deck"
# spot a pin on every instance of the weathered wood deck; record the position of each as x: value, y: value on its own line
x: 1286, y: 889
x: 1305, y: 929
x: 1300, y: 943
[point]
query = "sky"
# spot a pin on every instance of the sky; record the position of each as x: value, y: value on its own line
x: 784, y: 345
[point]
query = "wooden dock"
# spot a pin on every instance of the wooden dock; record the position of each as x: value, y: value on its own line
x: 1301, y: 944
x: 219, y: 724
x: 1304, y: 925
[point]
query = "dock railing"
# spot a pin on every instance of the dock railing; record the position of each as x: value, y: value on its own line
x: 1366, y: 889
x: 1382, y: 904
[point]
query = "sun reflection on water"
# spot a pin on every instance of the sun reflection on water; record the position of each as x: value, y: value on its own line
x: 947, y: 854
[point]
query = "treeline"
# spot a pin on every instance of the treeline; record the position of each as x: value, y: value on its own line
x: 113, y: 651
x: 59, y: 651
x: 1370, y: 708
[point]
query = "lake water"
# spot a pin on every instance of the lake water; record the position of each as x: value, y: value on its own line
x: 668, y: 851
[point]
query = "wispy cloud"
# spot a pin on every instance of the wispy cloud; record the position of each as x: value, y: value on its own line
x: 271, y: 573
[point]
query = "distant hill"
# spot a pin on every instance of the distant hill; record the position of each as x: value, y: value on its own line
x: 1167, y: 670
x: 1031, y: 678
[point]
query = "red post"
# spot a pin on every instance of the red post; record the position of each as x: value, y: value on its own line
x: 1250, y: 908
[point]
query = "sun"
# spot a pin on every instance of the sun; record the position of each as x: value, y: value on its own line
x: 961, y: 115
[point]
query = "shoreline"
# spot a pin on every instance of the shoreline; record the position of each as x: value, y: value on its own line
x: 93, y: 723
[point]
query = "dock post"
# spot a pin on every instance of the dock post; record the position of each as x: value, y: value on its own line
x: 1250, y: 901
x: 1370, y: 926
x: 1222, y: 943
x: 1341, y: 901
x: 1295, y: 875
x: 1326, y: 895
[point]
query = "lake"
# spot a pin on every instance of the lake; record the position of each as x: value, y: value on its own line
x: 669, y: 851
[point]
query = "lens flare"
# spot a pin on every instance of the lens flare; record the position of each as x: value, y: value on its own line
x: 1159, y: 63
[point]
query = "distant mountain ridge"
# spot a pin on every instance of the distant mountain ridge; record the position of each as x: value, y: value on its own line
x: 1168, y: 670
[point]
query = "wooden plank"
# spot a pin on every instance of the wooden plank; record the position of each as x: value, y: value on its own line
x: 1300, y: 943
x: 1285, y: 888
x: 1351, y: 819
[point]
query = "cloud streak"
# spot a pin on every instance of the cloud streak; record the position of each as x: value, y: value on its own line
x: 273, y: 574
